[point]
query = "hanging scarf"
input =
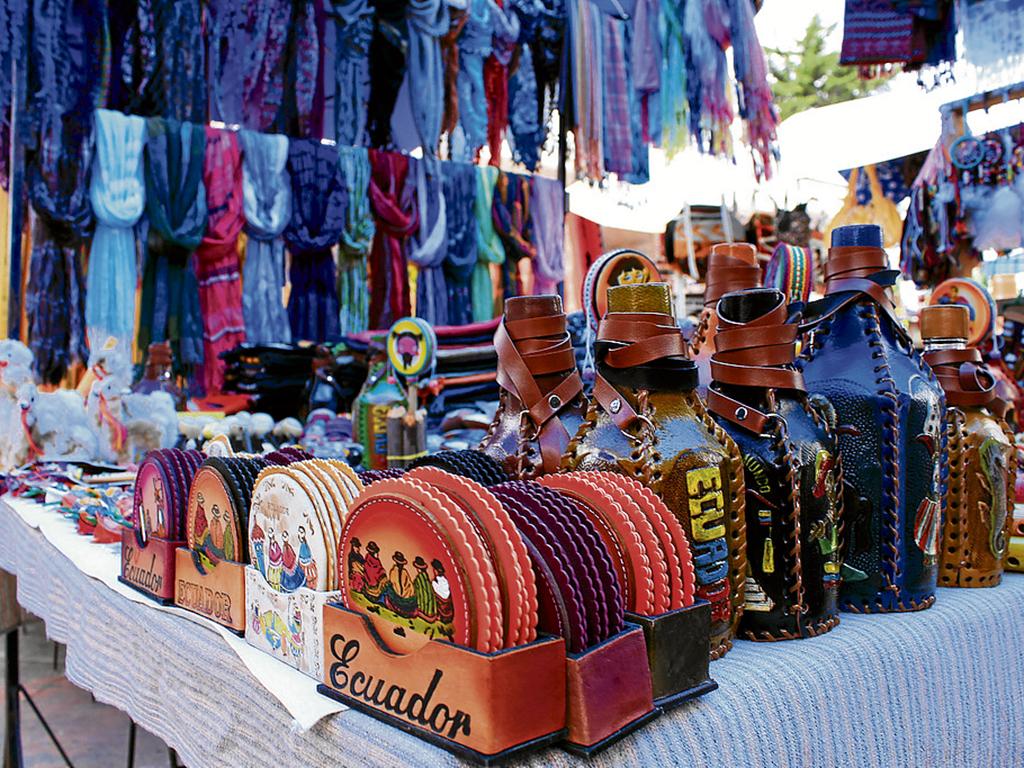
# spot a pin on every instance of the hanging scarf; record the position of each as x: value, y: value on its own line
x: 310, y: 96
x: 461, y: 256
x: 353, y: 31
x: 458, y: 11
x: 12, y: 48
x: 490, y: 249
x: 674, y: 103
x: 267, y: 198
x: 134, y: 58
x: 387, y: 67
x: 355, y: 240
x: 220, y: 290
x: 176, y: 209
x: 547, y: 213
x: 319, y: 200
x: 233, y: 51
x: 506, y: 35
x: 514, y: 225
x: 753, y: 93
x: 430, y: 242
x: 178, y: 87
x: 474, y: 48
x: 527, y: 134
x: 646, y: 57
x: 587, y: 109
x: 393, y: 200
x: 427, y: 21
x: 705, y: 25
x: 617, y: 141
x: 118, y: 195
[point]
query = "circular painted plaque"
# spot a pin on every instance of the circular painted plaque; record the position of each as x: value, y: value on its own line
x: 411, y: 347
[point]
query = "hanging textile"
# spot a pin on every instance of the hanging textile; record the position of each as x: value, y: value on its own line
x: 646, y: 56
x: 353, y: 30
x: 503, y: 44
x: 217, y: 268
x: 319, y: 200
x: 63, y: 85
x: 429, y: 246
x: 753, y: 93
x: 490, y: 249
x: 586, y: 113
x: 309, y: 85
x: 267, y: 197
x: 118, y: 194
x: 674, y: 103
x: 393, y: 200
x: 514, y: 225
x: 354, y: 249
x: 546, y: 42
x: 427, y: 21
x: 526, y: 133
x: 133, y: 62
x: 12, y: 48
x: 547, y: 212
x: 617, y: 140
x: 993, y: 33
x: 178, y: 87
x: 706, y: 35
x: 387, y: 67
x: 458, y: 11
x: 461, y: 257
x: 474, y: 48
x: 176, y: 211
x: 233, y: 51
x: 875, y: 32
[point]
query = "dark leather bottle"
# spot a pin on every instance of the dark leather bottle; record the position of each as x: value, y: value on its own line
x: 541, y: 403
x: 889, y: 411
x: 790, y: 457
x: 731, y: 267
x: 646, y: 421
x: 979, y: 486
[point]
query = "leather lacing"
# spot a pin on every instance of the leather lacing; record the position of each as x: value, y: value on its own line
x: 965, y: 379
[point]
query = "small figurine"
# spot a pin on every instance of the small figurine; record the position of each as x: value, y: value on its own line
x: 55, y: 426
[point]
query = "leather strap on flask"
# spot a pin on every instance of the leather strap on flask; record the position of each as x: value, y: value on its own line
x: 855, y: 268
x: 753, y: 354
x: 727, y: 272
x: 537, y: 347
x: 965, y: 379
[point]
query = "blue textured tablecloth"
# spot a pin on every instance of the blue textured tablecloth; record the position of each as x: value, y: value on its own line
x: 936, y: 689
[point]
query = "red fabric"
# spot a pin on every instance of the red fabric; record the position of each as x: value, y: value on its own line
x: 220, y: 287
x: 394, y: 210
x: 496, y: 88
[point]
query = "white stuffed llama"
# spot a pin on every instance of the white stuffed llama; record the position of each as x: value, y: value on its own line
x: 55, y: 426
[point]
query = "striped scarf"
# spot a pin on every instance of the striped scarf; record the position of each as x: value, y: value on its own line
x: 490, y: 249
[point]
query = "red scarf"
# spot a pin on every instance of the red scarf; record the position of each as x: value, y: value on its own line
x: 394, y: 210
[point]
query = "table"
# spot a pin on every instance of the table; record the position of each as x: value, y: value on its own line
x: 939, y: 688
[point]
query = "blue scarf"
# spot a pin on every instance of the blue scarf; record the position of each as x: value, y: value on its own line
x: 353, y: 25
x: 429, y: 246
x: 428, y: 20
x: 355, y: 241
x: 474, y: 48
x: 118, y: 195
x: 268, y: 209
x: 460, y: 261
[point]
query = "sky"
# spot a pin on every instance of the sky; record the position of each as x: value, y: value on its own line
x: 780, y: 23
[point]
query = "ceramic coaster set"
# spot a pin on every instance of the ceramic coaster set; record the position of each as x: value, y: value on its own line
x: 438, y: 556
x: 161, y: 499
x: 294, y: 525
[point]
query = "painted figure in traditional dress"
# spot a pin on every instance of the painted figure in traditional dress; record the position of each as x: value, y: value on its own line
x: 426, y: 603
x: 161, y: 508
x: 201, y: 526
x: 274, y: 562
x: 292, y: 576
x: 217, y: 531
x: 306, y: 559
x: 376, y: 579
x: 258, y: 543
x: 442, y: 593
x: 356, y: 568
x: 401, y: 598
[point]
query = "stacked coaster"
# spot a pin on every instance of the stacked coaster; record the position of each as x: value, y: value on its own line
x: 295, y: 522
x: 218, y: 507
x: 441, y: 555
x: 161, y: 493
x: 287, y: 455
x: 476, y: 465
x: 373, y: 475
x: 647, y: 545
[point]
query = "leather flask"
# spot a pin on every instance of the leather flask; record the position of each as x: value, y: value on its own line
x: 731, y: 267
x: 979, y: 486
x: 646, y: 420
x: 541, y: 401
x: 889, y: 410
x: 790, y: 457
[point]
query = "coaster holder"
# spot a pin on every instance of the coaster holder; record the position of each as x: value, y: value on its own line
x: 483, y: 707
x: 609, y: 692
x: 678, y: 647
x: 217, y: 593
x: 286, y: 625
x: 148, y: 568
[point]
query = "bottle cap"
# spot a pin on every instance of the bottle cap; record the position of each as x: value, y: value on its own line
x: 643, y: 297
x: 945, y: 321
x: 743, y: 251
x: 868, y: 235
x: 525, y: 307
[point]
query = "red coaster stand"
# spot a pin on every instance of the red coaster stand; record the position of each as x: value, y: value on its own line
x: 483, y: 707
x: 217, y: 593
x: 678, y: 647
x: 148, y: 568
x: 1015, y: 551
x: 609, y: 692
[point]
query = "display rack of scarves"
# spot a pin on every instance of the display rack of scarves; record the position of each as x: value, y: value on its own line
x: 387, y: 67
x: 54, y: 300
x: 474, y: 48
x: 547, y: 213
x: 176, y: 210
x: 393, y: 201
x: 489, y: 247
x: 503, y: 45
x: 353, y: 31
x: 117, y: 191
x: 267, y: 199
x: 514, y: 225
x: 354, y: 248
x: 429, y: 243
x: 461, y: 257
x: 319, y: 201
x: 217, y: 267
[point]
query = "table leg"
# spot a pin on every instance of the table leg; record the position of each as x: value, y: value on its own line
x: 12, y: 721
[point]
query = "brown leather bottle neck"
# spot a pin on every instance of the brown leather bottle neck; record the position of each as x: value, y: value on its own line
x: 727, y: 273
